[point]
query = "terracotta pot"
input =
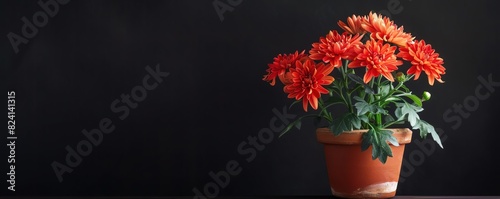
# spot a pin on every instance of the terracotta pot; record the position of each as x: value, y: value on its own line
x: 352, y: 173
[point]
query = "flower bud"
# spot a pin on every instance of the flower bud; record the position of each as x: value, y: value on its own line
x: 426, y: 96
x: 400, y: 76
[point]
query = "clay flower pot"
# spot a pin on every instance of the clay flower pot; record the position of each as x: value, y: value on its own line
x: 353, y: 173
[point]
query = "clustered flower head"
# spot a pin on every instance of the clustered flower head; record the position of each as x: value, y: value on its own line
x: 307, y: 81
x: 336, y: 47
x: 423, y: 58
x: 281, y: 67
x: 373, y: 42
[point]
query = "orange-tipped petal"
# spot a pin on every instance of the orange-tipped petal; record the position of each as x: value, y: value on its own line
x: 282, y: 64
x: 382, y: 28
x: 423, y: 58
x: 307, y: 81
x: 335, y: 47
x: 378, y: 58
x: 353, y: 25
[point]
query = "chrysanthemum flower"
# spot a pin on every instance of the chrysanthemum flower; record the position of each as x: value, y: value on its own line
x: 381, y: 28
x: 378, y: 58
x: 280, y: 66
x: 307, y: 82
x: 336, y: 47
x: 353, y: 25
x: 423, y: 58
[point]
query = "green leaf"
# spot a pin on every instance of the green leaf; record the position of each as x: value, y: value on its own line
x: 369, y: 90
x: 337, y: 85
x: 367, y: 140
x: 426, y: 128
x: 435, y: 137
x: 384, y: 89
x: 345, y: 123
x: 423, y: 129
x: 392, y: 99
x: 356, y: 79
x: 388, y: 118
x: 364, y: 118
x: 378, y: 140
x: 385, y: 151
x: 290, y: 126
x: 378, y: 110
x: 382, y: 158
x: 410, y: 111
x: 405, y: 88
x: 297, y: 124
x: 356, y: 122
x: 376, y: 152
x: 399, y: 113
x: 390, y: 138
x: 415, y: 99
x: 363, y: 107
x: 360, y: 81
x: 359, y: 99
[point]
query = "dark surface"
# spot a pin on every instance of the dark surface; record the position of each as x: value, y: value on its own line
x: 191, y: 124
x: 269, y: 197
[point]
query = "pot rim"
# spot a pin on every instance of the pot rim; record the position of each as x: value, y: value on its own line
x: 354, y: 137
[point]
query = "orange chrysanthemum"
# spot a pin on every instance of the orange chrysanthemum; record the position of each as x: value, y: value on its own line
x: 353, y: 25
x: 307, y: 82
x: 280, y: 66
x: 382, y: 28
x: 423, y: 58
x: 378, y: 58
x: 336, y: 47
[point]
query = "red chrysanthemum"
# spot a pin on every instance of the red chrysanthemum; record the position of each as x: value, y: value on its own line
x: 336, y: 47
x: 353, y: 25
x: 378, y: 58
x: 423, y: 58
x: 308, y: 79
x: 381, y: 28
x: 280, y: 66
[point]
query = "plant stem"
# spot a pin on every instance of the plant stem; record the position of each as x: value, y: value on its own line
x: 351, y: 109
x: 391, y: 123
x: 390, y: 92
x: 371, y: 99
x: 378, y: 116
x: 324, y: 111
x: 344, y: 71
x: 379, y: 119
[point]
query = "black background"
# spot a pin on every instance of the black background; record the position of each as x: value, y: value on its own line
x: 91, y: 52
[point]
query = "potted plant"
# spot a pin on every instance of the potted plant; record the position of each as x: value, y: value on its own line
x: 362, y: 69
